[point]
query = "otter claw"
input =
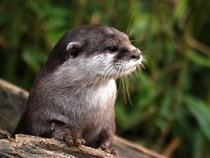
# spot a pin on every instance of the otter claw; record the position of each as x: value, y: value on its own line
x: 110, y: 151
x: 79, y: 141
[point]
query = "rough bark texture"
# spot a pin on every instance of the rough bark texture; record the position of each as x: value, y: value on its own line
x: 12, y: 104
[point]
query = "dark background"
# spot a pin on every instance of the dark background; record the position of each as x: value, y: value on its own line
x: 169, y: 109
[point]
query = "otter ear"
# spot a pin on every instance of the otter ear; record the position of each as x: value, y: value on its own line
x: 74, y: 48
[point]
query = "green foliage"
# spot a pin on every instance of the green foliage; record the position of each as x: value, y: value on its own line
x: 201, y: 112
x: 170, y: 97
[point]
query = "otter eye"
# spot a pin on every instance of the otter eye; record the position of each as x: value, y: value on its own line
x: 112, y: 48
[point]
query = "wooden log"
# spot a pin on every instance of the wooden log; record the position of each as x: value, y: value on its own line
x: 12, y: 104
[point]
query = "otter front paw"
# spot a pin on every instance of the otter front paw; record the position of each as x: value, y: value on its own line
x: 68, y: 136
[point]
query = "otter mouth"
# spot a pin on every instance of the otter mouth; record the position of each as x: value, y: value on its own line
x: 117, y: 73
x: 120, y: 68
x: 128, y: 71
x: 122, y: 71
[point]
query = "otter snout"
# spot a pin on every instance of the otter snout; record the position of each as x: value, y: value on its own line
x: 135, y: 54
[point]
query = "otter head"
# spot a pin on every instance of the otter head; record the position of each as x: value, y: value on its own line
x: 95, y: 51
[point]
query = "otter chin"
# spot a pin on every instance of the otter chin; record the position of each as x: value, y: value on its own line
x: 73, y: 95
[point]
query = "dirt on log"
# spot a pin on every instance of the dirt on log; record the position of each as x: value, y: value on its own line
x: 12, y: 103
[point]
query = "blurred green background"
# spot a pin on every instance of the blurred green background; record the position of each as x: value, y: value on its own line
x: 170, y: 110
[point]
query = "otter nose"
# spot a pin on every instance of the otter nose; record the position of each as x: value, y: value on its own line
x: 135, y: 54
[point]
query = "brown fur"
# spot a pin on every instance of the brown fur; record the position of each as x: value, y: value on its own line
x: 77, y: 111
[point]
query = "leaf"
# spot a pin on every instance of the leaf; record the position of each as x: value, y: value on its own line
x: 33, y: 59
x: 198, y: 58
x: 181, y: 8
x: 201, y: 112
x: 199, y: 140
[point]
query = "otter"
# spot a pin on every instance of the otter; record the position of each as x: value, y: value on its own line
x: 73, y: 95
